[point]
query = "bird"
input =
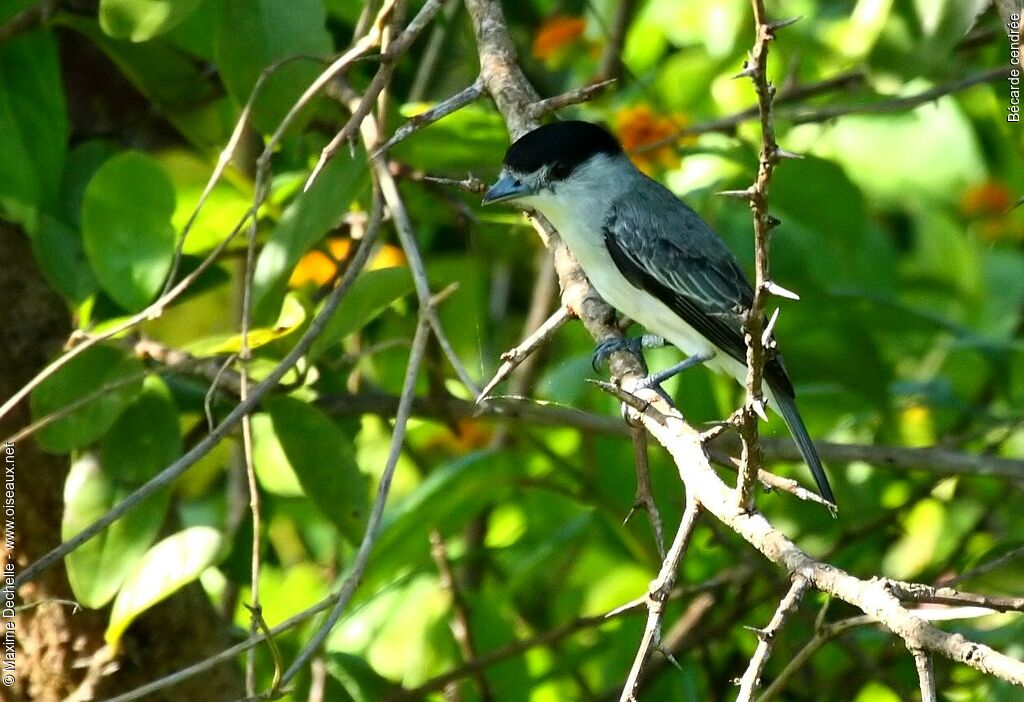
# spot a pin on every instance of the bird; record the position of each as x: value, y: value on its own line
x: 648, y: 255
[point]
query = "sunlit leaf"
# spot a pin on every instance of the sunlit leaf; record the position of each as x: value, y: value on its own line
x: 139, y: 20
x: 166, y: 568
x: 143, y: 441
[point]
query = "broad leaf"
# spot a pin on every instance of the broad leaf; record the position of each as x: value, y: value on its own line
x: 323, y: 459
x: 126, y: 227
x: 371, y: 293
x: 257, y: 33
x: 168, y: 566
x: 108, y: 374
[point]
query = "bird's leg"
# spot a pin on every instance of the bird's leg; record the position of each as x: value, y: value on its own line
x: 635, y: 344
x: 656, y: 379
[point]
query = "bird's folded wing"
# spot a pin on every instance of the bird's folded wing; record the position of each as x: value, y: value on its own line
x: 665, y: 249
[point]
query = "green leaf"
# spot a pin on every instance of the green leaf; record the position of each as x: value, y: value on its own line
x: 304, y: 222
x: 114, y: 376
x: 357, y: 677
x: 323, y: 459
x: 171, y: 564
x: 257, y: 33
x: 60, y: 255
x: 126, y: 227
x: 293, y: 314
x: 33, y: 125
x: 170, y: 80
x: 143, y: 441
x: 139, y: 20
x: 371, y: 293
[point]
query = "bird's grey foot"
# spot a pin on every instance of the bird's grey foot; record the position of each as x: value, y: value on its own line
x: 633, y: 344
x: 656, y: 379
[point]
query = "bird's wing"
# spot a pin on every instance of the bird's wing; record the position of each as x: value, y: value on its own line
x: 663, y: 247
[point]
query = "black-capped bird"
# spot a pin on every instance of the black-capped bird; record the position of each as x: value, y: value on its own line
x: 646, y: 253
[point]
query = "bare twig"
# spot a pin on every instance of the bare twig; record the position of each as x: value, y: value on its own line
x: 171, y: 473
x: 610, y: 65
x: 873, y: 597
x: 918, y: 592
x: 380, y: 80
x: 766, y: 639
x: 460, y: 625
x: 437, y: 112
x: 514, y: 356
x: 644, y: 498
x: 573, y: 97
x: 657, y: 596
x: 822, y: 635
x: 753, y: 325
x: 986, y: 567
x: 362, y: 557
x: 899, y: 104
x: 925, y: 674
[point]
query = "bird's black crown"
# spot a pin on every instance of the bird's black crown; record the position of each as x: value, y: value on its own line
x: 562, y: 145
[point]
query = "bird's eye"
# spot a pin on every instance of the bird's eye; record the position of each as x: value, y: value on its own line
x: 518, y: 182
x: 560, y: 170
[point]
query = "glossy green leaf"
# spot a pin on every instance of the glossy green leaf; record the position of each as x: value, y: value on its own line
x: 59, y: 252
x: 323, y: 460
x: 140, y: 444
x: 126, y: 227
x: 257, y: 33
x: 139, y: 20
x: 33, y: 125
x: 371, y: 293
x: 168, y: 566
x: 310, y: 215
x: 111, y: 377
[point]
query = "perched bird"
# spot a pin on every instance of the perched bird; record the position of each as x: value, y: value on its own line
x: 646, y: 253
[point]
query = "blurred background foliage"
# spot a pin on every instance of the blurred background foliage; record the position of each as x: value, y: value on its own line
x: 897, y: 231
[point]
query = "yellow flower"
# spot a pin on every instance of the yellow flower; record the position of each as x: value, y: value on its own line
x: 318, y: 269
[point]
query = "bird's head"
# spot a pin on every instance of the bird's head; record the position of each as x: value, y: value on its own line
x: 554, y: 160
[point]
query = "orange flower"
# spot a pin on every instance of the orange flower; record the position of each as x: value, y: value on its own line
x: 317, y: 268
x: 639, y: 126
x: 556, y: 34
x: 988, y: 199
x: 989, y: 205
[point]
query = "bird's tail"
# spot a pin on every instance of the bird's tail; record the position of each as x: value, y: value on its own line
x: 787, y: 408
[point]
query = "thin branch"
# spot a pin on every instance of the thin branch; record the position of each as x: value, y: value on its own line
x: 899, y: 104
x: 657, y: 596
x: 460, y: 626
x: 383, y: 76
x: 766, y: 639
x: 516, y: 355
x: 362, y: 557
x: 925, y: 675
x: 822, y: 635
x: 437, y: 112
x: 918, y: 592
x: 644, y: 497
x: 986, y: 567
x: 873, y: 597
x: 610, y: 65
x: 171, y: 473
x: 753, y: 325
x: 573, y: 97
x: 936, y: 461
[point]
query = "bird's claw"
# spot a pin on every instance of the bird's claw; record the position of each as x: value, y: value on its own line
x: 604, y: 350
